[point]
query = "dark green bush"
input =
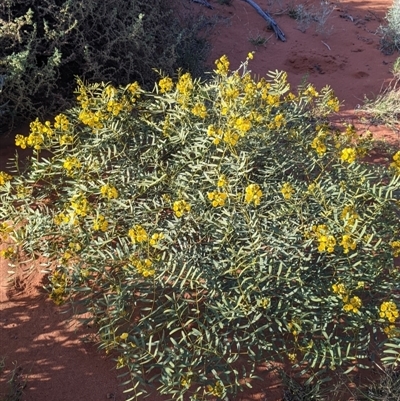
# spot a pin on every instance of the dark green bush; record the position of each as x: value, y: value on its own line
x: 45, y: 44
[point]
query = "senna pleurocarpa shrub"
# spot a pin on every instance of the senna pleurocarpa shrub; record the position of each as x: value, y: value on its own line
x: 213, y: 227
x: 44, y: 44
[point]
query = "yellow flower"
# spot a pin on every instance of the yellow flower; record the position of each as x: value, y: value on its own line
x: 8, y: 253
x: 185, y: 84
x: 395, y: 165
x: 243, y: 124
x: 395, y: 248
x: 340, y: 289
x: 66, y: 140
x: 349, y: 215
x: 71, y: 163
x: 200, y: 110
x: 109, y: 192
x: 389, y: 311
x: 353, y: 305
x: 180, y: 207
x: 124, y: 336
x: 61, y: 122
x: 253, y: 194
x: 348, y: 243
x: 222, y: 66
x: 166, y: 85
x: 319, y: 145
x: 80, y: 205
x: 155, y: 238
x: 217, y: 198
x: 114, y: 107
x: 137, y: 234
x: 230, y: 137
x: 326, y: 242
x: 348, y: 155
x: 250, y: 56
x: 21, y: 141
x: 100, y: 223
x: 287, y: 190
x: 4, y: 177
x: 310, y: 91
x: 133, y: 88
x: 333, y: 104
x: 222, y: 181
x: 391, y: 331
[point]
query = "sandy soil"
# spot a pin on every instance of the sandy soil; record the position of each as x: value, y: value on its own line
x: 55, y: 356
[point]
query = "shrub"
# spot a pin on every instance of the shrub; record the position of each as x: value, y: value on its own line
x: 385, y: 107
x: 212, y: 227
x: 390, y: 41
x: 44, y: 44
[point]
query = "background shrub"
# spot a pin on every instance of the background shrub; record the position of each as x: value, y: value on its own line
x: 390, y: 41
x: 213, y: 227
x: 45, y: 44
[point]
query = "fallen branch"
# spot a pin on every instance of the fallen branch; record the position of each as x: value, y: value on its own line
x: 204, y: 3
x: 278, y: 32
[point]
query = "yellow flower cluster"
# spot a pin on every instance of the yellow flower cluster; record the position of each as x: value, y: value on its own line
x: 222, y: 181
x: 5, y: 229
x: 217, y: 390
x: 253, y: 194
x: 395, y: 248
x: 389, y: 311
x: 180, y: 207
x: 21, y: 141
x: 61, y: 122
x: 166, y: 85
x: 230, y: 137
x: 185, y: 84
x: 80, y: 205
x: 65, y: 218
x: 242, y: 124
x: 8, y: 253
x: 66, y: 139
x: 287, y: 190
x: 200, y: 110
x: 349, y: 216
x: 326, y: 242
x: 143, y: 266
x: 71, y: 163
x: 134, y: 89
x: 348, y: 243
x: 318, y: 144
x: 222, y: 66
x: 100, y: 223
x: 278, y: 122
x: 58, y: 282
x: 114, y: 107
x: 340, y: 289
x: 395, y: 165
x: 4, y: 177
x: 137, y: 234
x: 352, y: 304
x: 310, y: 92
x: 109, y: 192
x: 391, y: 331
x: 348, y: 155
x: 156, y: 238
x: 217, y: 198
x: 92, y: 119
x: 333, y: 103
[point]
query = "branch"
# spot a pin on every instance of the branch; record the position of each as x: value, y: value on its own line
x: 278, y: 32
